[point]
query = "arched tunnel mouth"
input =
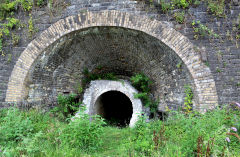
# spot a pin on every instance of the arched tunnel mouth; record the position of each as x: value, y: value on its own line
x: 115, y: 107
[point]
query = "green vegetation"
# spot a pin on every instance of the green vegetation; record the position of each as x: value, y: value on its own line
x: 165, y: 6
x: 8, y: 8
x: 31, y: 29
x: 180, y: 17
x: 179, y: 65
x: 32, y: 133
x: 170, y: 5
x: 142, y: 83
x: 218, y: 70
x: 188, y: 104
x: 216, y: 7
x: 41, y: 2
x: 5, y: 29
x: 67, y: 106
x: 1, y: 41
x: 99, y: 75
x: 9, y: 58
x: 15, y: 39
x: 8, y: 22
x: 201, y: 30
x: 182, y: 3
x: 238, y: 84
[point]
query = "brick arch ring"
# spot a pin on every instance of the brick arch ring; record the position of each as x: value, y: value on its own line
x: 204, y: 85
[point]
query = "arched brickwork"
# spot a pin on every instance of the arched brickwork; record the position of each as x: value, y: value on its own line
x: 201, y: 74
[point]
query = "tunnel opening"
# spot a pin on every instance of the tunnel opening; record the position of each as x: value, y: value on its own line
x: 115, y: 107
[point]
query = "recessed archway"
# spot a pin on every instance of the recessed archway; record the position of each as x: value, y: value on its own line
x: 204, y: 85
x: 106, y: 98
x: 115, y: 107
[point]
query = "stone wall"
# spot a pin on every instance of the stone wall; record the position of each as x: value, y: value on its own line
x: 222, y: 56
x: 109, y: 49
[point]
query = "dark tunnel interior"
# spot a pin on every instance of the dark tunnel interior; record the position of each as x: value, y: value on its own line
x: 116, y: 108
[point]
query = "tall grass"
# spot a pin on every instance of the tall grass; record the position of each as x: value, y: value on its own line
x: 32, y: 133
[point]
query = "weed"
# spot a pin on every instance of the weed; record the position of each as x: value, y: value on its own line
x: 142, y: 83
x: 31, y: 29
x: 67, y: 106
x: 207, y: 64
x: 180, y: 17
x: 201, y: 30
x: 238, y: 84
x: 218, y: 70
x: 165, y: 6
x: 83, y: 134
x: 188, y: 104
x: 216, y: 7
x: 182, y: 3
x: 1, y: 41
x: 26, y: 4
x: 99, y: 75
x: 179, y: 65
x: 15, y: 39
x: 9, y: 58
x: 40, y: 3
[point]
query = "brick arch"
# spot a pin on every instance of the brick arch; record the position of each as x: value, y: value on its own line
x: 203, y: 80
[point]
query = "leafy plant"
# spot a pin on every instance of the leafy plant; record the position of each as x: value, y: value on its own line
x: 188, y: 104
x: 165, y: 6
x: 83, y: 134
x: 26, y: 4
x: 88, y: 76
x: 31, y: 29
x: 67, y: 106
x: 1, y: 41
x: 15, y: 127
x: 179, y: 65
x: 218, y: 70
x: 15, y: 39
x: 139, y: 141
x: 202, y: 30
x: 216, y: 7
x: 180, y: 17
x: 142, y: 83
x: 182, y: 3
x: 41, y: 2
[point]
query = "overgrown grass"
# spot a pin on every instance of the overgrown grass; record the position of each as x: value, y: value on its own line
x: 31, y: 133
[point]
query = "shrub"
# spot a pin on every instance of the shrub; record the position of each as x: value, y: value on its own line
x: 67, y: 106
x: 216, y: 7
x: 15, y: 127
x: 83, y: 134
x: 142, y: 83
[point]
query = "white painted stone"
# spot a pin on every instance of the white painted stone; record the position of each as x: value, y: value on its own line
x: 99, y: 87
